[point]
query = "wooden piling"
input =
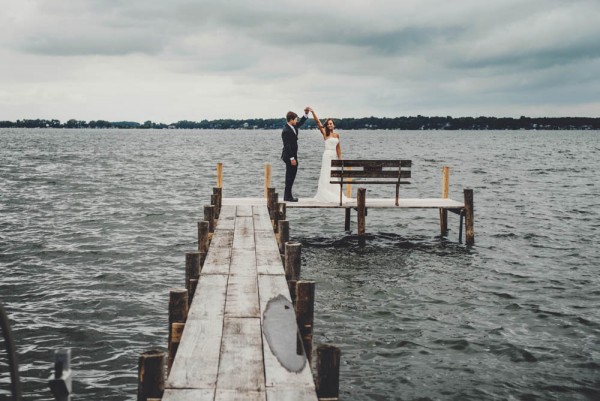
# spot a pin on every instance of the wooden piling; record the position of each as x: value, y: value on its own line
x: 361, y: 199
x: 178, y: 310
x: 292, y: 260
x: 284, y: 235
x: 203, y: 231
x: 218, y: 193
x: 305, y: 311
x: 192, y: 271
x: 328, y: 372
x: 445, y: 192
x: 270, y: 205
x: 275, y: 211
x: 209, y: 215
x: 151, y: 375
x: 282, y: 208
x: 292, y: 287
x: 220, y: 175
x: 267, y: 178
x: 347, y: 219
x: 469, y: 232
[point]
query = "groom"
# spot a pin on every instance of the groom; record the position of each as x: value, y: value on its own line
x: 289, y: 155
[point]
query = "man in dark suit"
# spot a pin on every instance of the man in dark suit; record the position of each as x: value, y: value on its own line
x: 289, y: 155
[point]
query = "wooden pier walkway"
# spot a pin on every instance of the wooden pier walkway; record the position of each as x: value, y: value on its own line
x: 240, y: 338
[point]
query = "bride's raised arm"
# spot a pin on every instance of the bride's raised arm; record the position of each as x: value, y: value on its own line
x: 321, y: 128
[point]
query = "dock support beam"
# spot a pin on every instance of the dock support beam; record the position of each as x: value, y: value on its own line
x: 284, y: 235
x: 347, y: 220
x: 328, y: 372
x: 305, y: 311
x: 361, y: 199
x: 151, y: 375
x: 178, y: 311
x: 209, y: 215
x: 192, y: 272
x: 218, y: 200
x: 469, y: 232
x: 203, y: 230
x: 445, y: 193
x: 292, y: 260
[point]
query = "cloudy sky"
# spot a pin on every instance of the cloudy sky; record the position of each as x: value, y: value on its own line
x: 172, y: 60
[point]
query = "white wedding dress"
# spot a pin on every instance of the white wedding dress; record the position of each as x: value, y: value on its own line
x: 327, y: 192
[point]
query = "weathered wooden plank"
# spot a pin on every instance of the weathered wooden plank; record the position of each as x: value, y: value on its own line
x: 243, y: 262
x: 268, y: 260
x: 276, y: 375
x: 262, y: 221
x: 233, y: 395
x: 243, y: 236
x: 291, y: 394
x: 244, y: 211
x: 241, y: 365
x: 219, y: 253
x: 189, y: 395
x: 227, y: 218
x: 244, y: 201
x: 197, y: 360
x: 385, y: 174
x: 242, y: 297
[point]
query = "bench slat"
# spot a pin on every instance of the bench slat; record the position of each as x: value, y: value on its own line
x: 371, y: 163
x: 369, y: 174
x: 369, y: 182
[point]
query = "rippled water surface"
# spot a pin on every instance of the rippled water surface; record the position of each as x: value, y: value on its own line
x: 94, y: 226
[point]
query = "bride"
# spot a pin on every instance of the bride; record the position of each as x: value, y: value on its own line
x: 327, y: 192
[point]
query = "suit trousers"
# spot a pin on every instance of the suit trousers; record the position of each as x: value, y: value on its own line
x: 290, y: 176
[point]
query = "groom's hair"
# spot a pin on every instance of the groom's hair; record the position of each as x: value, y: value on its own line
x: 290, y: 116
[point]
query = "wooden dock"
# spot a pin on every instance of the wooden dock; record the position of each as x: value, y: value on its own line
x: 309, y: 203
x: 240, y: 338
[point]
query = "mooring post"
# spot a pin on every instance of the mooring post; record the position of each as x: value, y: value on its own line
x: 192, y: 272
x: 203, y: 231
x: 469, y: 232
x: 267, y: 178
x: 292, y: 260
x: 61, y: 381
x: 270, y: 194
x: 445, y: 192
x: 361, y: 198
x: 218, y: 194
x: 151, y: 375
x: 275, y: 212
x: 281, y: 210
x: 209, y: 215
x: 284, y: 235
x: 328, y: 372
x: 178, y: 310
x: 292, y: 287
x: 220, y: 175
x: 305, y: 311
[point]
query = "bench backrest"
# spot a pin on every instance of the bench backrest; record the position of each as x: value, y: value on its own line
x: 384, y: 169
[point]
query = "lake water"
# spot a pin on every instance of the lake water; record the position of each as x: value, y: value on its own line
x: 94, y: 225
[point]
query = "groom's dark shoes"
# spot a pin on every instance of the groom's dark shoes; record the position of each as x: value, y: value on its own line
x: 292, y: 199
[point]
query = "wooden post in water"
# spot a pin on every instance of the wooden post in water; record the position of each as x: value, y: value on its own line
x: 192, y: 272
x: 61, y: 382
x: 281, y: 210
x: 220, y: 175
x: 218, y: 194
x: 328, y: 372
x: 267, y: 178
x: 209, y: 215
x: 284, y: 235
x: 151, y: 375
x: 361, y: 198
x: 305, y: 311
x: 293, y: 251
x: 275, y: 212
x: 270, y: 206
x: 469, y: 232
x: 445, y: 191
x: 178, y: 310
x: 203, y: 230
x: 292, y: 287
x: 347, y: 220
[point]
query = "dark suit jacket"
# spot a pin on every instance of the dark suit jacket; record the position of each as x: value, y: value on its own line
x: 290, y: 141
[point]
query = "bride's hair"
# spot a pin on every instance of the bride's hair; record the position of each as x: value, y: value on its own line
x: 327, y: 131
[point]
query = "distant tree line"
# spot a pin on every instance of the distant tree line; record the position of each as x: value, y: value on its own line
x: 397, y: 123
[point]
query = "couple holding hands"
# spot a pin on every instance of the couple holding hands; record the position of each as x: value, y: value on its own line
x: 326, y: 192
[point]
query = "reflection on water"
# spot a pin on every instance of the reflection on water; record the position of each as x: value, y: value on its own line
x: 94, y: 226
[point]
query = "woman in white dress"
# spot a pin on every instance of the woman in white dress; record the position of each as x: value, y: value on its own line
x: 327, y: 192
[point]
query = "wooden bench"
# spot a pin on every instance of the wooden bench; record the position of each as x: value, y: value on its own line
x: 370, y: 172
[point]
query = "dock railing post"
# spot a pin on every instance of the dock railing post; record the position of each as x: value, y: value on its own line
x: 203, y: 240
x: 178, y: 310
x: 192, y: 272
x: 445, y: 193
x: 469, y: 231
x: 328, y: 372
x: 305, y: 311
x: 292, y: 258
x: 61, y: 381
x: 267, y: 178
x: 220, y: 175
x: 361, y: 198
x: 151, y: 375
